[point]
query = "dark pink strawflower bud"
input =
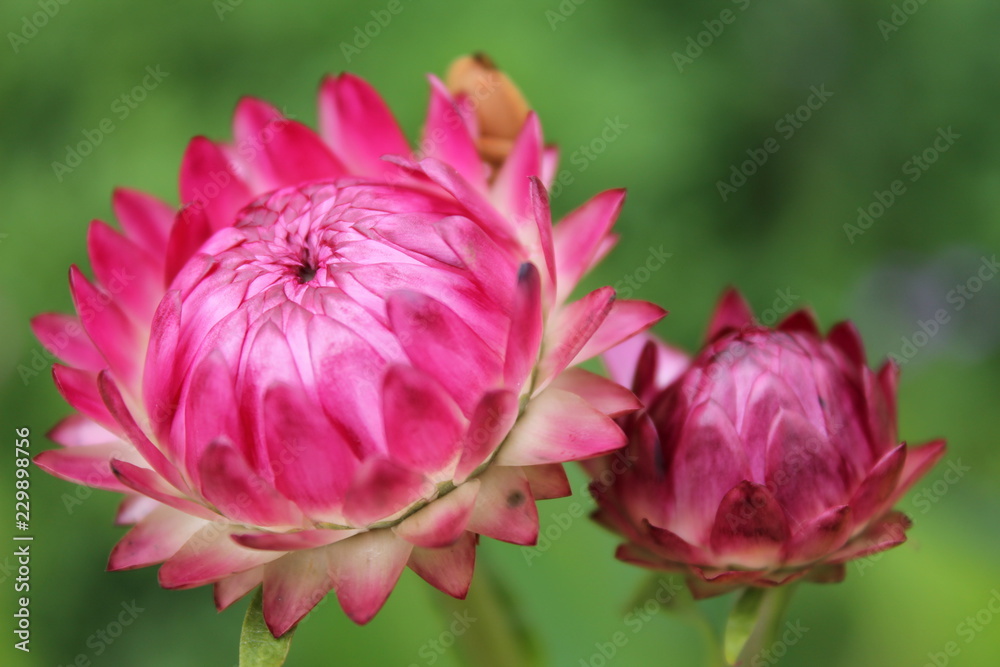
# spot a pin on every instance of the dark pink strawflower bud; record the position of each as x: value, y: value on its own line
x: 769, y: 457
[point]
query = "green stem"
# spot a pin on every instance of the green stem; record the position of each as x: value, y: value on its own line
x: 258, y: 648
x: 773, y: 605
x: 493, y: 633
x: 682, y: 606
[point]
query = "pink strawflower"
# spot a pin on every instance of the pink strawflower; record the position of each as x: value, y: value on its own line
x: 338, y: 358
x: 768, y: 457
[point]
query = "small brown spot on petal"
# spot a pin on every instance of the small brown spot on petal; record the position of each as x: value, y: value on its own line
x: 515, y: 499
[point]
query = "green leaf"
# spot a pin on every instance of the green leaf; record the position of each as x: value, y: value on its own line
x: 258, y: 647
x: 742, y: 621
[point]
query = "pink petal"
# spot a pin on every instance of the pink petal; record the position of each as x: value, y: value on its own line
x: 750, y: 527
x: 338, y: 356
x: 230, y: 589
x: 629, y: 364
x: 89, y: 465
x: 210, y: 184
x: 280, y: 152
x: 439, y: 343
x: 578, y: 236
x: 881, y: 424
x: 293, y: 585
x: 148, y: 483
x: 732, y: 312
x: 505, y: 509
x: 499, y: 228
x: 885, y: 533
x: 675, y: 548
x: 358, y: 125
x: 78, y: 430
x: 159, y: 388
x: 570, y: 330
x: 423, y: 425
x: 293, y: 541
x: 210, y: 555
x: 845, y: 337
x: 64, y: 336
x: 489, y: 264
x: 491, y: 421
x: 708, y: 459
x: 443, y: 521
x: 134, y: 508
x: 382, y: 489
x: 449, y: 569
x: 511, y: 187
x: 547, y: 481
x: 365, y: 569
x: 626, y: 319
x: 154, y: 539
x: 919, y: 461
x: 802, y: 321
x: 526, y: 326
x: 446, y: 136
x: 228, y: 482
x: 210, y: 411
x: 606, y: 396
x: 543, y: 222
x: 556, y: 427
x: 550, y: 162
x: 116, y: 406
x: 79, y: 388
x: 801, y: 468
x: 821, y: 536
x: 316, y: 463
x: 192, y: 228
x: 125, y: 270
x: 640, y: 556
x: 112, y: 332
x: 878, y: 487
x: 145, y: 219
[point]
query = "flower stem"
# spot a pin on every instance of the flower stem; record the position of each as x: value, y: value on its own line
x: 493, y: 633
x: 773, y: 604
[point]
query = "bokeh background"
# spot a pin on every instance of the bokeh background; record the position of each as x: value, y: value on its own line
x: 901, y: 75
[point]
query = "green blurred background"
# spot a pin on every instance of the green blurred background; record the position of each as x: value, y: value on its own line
x: 682, y: 126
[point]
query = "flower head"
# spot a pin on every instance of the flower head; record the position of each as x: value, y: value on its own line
x: 769, y: 456
x: 339, y: 357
